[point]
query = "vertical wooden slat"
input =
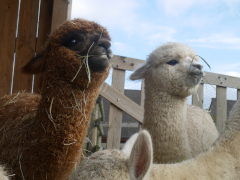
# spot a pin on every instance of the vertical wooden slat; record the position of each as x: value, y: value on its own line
x: 44, y: 30
x: 8, y: 25
x: 115, y: 114
x: 197, y: 98
x: 142, y: 101
x: 25, y: 44
x: 221, y: 116
x: 93, y: 131
x: 99, y: 140
x: 61, y: 12
x: 238, y: 93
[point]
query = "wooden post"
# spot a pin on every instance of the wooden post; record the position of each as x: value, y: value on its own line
x: 8, y: 25
x: 115, y: 114
x: 221, y: 117
x: 52, y: 14
x: 44, y: 30
x: 99, y: 140
x: 142, y: 101
x: 25, y: 44
x: 93, y: 129
x: 61, y: 12
x: 238, y: 93
x: 197, y: 98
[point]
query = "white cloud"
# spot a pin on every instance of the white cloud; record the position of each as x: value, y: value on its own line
x: 155, y: 34
x: 233, y: 73
x: 228, y: 69
x: 121, y: 48
x: 108, y: 13
x: 176, y: 7
x: 226, y: 38
x: 217, y: 40
x: 234, y: 6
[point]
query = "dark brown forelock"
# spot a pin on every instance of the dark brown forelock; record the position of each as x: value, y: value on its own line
x: 76, y: 25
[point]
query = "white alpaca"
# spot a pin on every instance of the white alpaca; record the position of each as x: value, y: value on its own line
x: 219, y: 162
x: 3, y: 174
x: 179, y: 131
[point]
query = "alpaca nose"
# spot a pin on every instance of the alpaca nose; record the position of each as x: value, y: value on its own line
x: 101, y: 41
x: 198, y: 66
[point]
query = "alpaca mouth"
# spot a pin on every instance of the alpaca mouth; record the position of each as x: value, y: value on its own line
x: 100, y: 58
x: 199, y: 73
x: 102, y: 52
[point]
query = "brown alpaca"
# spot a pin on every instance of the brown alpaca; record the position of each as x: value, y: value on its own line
x: 41, y: 136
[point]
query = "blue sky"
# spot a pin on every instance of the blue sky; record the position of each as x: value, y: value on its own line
x: 137, y: 27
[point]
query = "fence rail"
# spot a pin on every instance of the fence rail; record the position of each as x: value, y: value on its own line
x: 121, y: 103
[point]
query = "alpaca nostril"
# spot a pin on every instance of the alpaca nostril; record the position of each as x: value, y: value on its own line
x: 100, y: 41
x: 104, y: 43
x: 199, y: 66
x: 94, y: 37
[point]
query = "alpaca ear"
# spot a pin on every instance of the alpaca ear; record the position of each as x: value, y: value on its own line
x: 140, y: 160
x: 35, y: 65
x: 127, y: 148
x: 140, y: 72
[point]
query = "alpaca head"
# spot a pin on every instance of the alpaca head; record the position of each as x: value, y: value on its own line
x: 115, y: 164
x: 77, y: 52
x: 173, y: 68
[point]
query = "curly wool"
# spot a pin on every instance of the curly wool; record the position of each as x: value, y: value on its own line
x: 179, y: 131
x: 221, y: 161
x: 42, y: 135
x: 102, y: 165
x: 3, y: 174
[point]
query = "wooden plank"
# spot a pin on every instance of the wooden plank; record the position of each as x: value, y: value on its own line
x: 238, y: 93
x: 142, y: 101
x: 197, y: 98
x: 25, y: 45
x: 122, y: 102
x: 93, y: 129
x: 129, y: 125
x: 126, y: 63
x: 44, y: 30
x: 222, y: 80
x: 115, y: 114
x: 61, y: 12
x: 221, y: 116
x: 8, y: 25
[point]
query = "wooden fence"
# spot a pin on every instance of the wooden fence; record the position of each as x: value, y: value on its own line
x: 120, y: 103
x: 33, y: 22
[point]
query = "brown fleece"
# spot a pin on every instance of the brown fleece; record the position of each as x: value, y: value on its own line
x: 41, y: 136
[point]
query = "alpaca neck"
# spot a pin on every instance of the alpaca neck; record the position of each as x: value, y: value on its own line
x: 165, y: 119
x: 63, y: 104
x: 62, y: 121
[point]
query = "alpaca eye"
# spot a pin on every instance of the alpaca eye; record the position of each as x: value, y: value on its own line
x: 73, y: 42
x: 172, y: 62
